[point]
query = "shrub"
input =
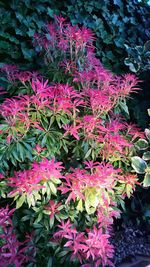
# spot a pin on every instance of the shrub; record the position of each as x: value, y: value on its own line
x: 65, y: 152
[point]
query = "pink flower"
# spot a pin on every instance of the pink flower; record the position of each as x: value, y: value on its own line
x: 91, y: 165
x: 129, y: 179
x: 106, y: 214
x: 129, y: 85
x: 38, y: 148
x: 13, y: 107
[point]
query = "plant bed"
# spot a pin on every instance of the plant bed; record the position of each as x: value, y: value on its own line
x: 132, y: 244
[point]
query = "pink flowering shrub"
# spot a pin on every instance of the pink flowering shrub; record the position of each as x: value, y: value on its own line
x: 65, y: 154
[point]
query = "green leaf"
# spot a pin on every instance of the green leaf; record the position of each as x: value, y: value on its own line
x: 147, y: 212
x: 91, y: 200
x: 37, y: 196
x: 147, y: 133
x: 55, y: 180
x: 141, y: 144
x: 39, y: 218
x: 21, y: 151
x: 50, y: 12
x: 20, y: 201
x: 15, y: 154
x: 118, y: 3
x: 31, y: 32
x: 124, y: 107
x: 88, y: 153
x: 51, y: 222
x: 146, y: 155
x: 3, y: 127
x: 138, y: 164
x: 129, y: 190
x: 50, y: 262
x: 53, y: 188
x: 30, y: 200
x: 80, y: 205
x: 146, y: 181
x: 63, y: 253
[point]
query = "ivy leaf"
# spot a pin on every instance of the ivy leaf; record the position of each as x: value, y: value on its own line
x: 141, y: 144
x: 138, y: 164
x: 147, y: 133
x: 146, y: 181
x: 118, y: 3
x: 31, y: 32
x: 146, y: 155
x: 50, y: 12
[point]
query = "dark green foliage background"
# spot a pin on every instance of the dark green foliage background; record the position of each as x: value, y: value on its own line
x: 19, y: 21
x: 115, y: 23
